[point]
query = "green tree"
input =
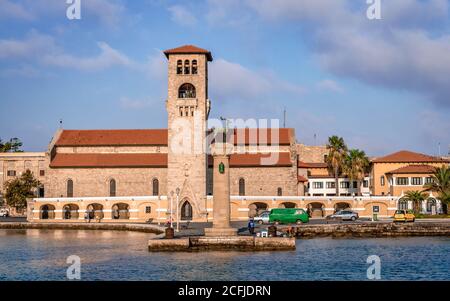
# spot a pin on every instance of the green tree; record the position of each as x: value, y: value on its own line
x: 416, y: 197
x: 12, y: 146
x: 441, y: 185
x: 19, y: 189
x: 337, y: 151
x: 356, y: 166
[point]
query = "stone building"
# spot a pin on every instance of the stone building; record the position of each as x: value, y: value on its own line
x: 162, y: 174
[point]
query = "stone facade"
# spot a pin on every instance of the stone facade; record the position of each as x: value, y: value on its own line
x: 187, y: 115
x: 95, y: 182
x: 312, y: 154
x: 134, y: 175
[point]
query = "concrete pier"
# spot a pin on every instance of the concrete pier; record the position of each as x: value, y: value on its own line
x: 231, y: 243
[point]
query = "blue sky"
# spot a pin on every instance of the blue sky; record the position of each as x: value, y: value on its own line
x: 384, y: 85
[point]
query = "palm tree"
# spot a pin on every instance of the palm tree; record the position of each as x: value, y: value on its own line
x: 355, y: 167
x: 337, y: 151
x: 416, y: 197
x: 440, y: 184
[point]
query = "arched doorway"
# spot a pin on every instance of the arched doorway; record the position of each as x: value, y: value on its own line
x: 316, y: 209
x: 256, y: 209
x: 186, y: 211
x: 70, y: 211
x: 47, y: 212
x: 95, y: 211
x: 341, y: 206
x: 431, y: 206
x: 288, y: 205
x: 120, y: 211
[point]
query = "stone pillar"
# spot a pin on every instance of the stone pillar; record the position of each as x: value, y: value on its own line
x: 30, y: 210
x: 221, y: 192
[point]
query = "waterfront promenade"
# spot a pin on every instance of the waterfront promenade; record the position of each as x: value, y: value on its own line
x: 315, y: 228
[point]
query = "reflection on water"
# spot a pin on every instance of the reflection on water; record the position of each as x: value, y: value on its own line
x: 116, y: 255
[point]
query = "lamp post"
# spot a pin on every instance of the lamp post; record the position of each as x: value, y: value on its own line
x: 171, y: 207
x: 178, y: 209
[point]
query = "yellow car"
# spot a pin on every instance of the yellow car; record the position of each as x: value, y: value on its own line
x: 404, y: 216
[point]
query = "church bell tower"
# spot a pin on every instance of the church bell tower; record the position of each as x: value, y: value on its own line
x: 188, y: 108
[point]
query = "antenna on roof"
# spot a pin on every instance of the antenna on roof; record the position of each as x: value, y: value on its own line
x: 284, y: 117
x: 439, y: 148
x: 60, y: 123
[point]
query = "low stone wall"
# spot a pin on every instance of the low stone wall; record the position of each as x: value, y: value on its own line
x: 85, y: 226
x: 229, y: 243
x: 374, y: 230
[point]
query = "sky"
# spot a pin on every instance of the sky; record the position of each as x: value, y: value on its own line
x: 382, y: 84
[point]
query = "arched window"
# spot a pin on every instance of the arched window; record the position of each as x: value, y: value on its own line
x: 179, y: 67
x: 155, y: 184
x: 112, y: 187
x: 403, y: 204
x: 241, y: 186
x: 186, y: 91
x: 69, y: 188
x: 194, y: 67
x: 279, y: 191
x: 187, y: 67
x: 186, y: 211
x: 430, y: 204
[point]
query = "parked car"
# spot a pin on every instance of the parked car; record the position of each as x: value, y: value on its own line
x: 263, y: 218
x: 4, y: 212
x: 345, y: 215
x: 288, y: 216
x: 404, y: 216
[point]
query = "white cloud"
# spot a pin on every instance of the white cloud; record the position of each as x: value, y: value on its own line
x: 9, y: 10
x: 329, y: 85
x: 108, y: 12
x: 156, y: 66
x: 234, y: 81
x: 108, y: 57
x: 181, y: 15
x: 42, y: 49
x: 30, y: 47
x: 407, y: 50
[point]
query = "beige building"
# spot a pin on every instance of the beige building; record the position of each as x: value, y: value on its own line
x: 158, y: 174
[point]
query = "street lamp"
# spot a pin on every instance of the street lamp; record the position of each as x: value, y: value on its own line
x: 178, y: 209
x: 171, y: 206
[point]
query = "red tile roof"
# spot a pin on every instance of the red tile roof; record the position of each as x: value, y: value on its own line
x: 255, y: 160
x: 411, y: 169
x: 108, y: 160
x: 263, y: 136
x: 189, y: 49
x: 407, y: 156
x: 250, y: 160
x: 157, y: 137
x: 301, y: 164
x: 302, y: 179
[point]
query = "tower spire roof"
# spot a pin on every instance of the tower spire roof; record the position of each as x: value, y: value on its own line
x: 189, y: 49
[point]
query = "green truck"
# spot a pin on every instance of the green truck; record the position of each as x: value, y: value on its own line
x: 288, y: 216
